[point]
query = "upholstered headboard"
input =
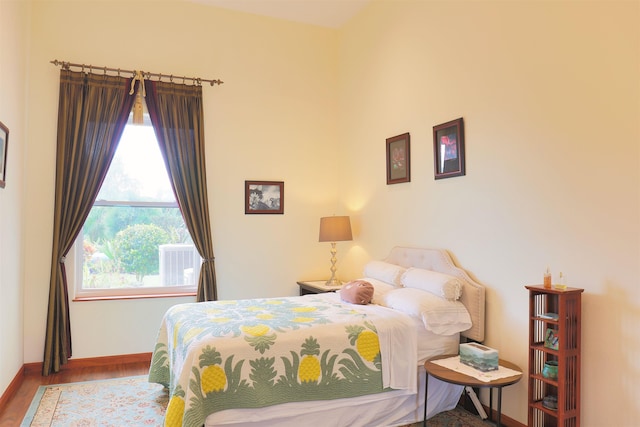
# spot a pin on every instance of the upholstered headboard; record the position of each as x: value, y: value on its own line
x: 473, y: 293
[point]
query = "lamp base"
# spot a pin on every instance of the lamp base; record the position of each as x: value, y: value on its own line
x: 333, y: 282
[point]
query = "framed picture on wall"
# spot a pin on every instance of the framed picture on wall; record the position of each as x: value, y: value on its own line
x: 4, y: 142
x: 263, y: 197
x: 448, y: 149
x: 398, y: 159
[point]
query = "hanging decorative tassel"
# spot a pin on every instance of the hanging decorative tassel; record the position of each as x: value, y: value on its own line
x: 138, y: 104
x: 138, y: 109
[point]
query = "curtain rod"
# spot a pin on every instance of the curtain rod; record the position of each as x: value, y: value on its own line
x: 195, y: 80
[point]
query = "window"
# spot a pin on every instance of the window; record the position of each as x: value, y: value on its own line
x: 135, y: 241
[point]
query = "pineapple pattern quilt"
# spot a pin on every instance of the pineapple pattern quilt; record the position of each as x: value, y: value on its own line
x: 254, y: 353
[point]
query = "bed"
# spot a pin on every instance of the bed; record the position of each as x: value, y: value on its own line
x: 294, y: 360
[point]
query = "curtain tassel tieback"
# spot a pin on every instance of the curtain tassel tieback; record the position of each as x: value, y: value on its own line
x: 138, y: 108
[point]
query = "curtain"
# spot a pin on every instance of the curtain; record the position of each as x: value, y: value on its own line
x: 92, y: 113
x: 176, y: 114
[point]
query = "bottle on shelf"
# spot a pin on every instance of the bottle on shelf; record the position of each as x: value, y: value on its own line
x: 562, y: 284
x: 547, y: 279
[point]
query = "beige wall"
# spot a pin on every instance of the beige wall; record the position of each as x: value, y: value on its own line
x: 550, y: 98
x: 274, y: 118
x: 14, y: 42
x: 549, y: 93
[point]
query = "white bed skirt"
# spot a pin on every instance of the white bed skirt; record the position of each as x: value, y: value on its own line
x: 388, y: 409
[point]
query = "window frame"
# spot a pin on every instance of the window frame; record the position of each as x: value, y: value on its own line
x: 75, y: 260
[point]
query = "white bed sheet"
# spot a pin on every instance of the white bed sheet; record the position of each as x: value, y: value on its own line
x: 394, y: 408
x: 394, y: 332
x: 432, y: 345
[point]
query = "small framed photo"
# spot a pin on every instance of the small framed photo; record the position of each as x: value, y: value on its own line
x: 448, y: 149
x: 264, y: 197
x: 551, y: 339
x: 4, y: 142
x: 398, y: 159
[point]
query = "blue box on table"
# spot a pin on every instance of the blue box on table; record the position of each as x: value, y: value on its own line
x: 478, y: 356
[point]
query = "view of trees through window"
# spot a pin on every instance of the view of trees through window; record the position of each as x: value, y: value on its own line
x: 135, y: 235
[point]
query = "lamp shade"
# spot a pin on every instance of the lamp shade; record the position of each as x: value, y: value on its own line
x: 335, y: 229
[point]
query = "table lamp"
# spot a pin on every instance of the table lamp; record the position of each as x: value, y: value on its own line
x: 334, y: 229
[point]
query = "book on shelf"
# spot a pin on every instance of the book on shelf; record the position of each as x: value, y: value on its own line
x: 550, y: 316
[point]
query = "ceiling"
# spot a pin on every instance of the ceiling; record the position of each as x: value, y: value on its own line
x: 325, y: 13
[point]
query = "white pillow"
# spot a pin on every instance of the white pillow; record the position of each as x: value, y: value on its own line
x: 387, y: 272
x: 438, y: 315
x: 440, y: 284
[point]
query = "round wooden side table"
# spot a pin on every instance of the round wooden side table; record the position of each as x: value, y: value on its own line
x: 450, y: 376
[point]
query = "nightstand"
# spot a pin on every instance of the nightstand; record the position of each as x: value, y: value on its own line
x: 316, y: 287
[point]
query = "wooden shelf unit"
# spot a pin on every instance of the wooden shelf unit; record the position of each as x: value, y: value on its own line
x: 567, y: 305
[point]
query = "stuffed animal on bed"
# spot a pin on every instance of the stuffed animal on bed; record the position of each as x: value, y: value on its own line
x: 357, y: 292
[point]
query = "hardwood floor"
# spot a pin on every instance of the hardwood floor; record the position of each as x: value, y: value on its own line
x: 76, y: 370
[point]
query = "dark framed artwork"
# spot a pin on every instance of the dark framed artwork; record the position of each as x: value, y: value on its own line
x: 4, y: 143
x: 448, y: 149
x: 398, y: 159
x: 263, y: 197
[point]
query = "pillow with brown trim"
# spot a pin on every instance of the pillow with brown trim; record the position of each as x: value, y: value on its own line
x: 440, y: 284
x: 357, y: 292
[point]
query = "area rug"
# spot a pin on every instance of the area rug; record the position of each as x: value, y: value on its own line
x: 130, y: 401
x: 134, y: 402
x: 458, y: 417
